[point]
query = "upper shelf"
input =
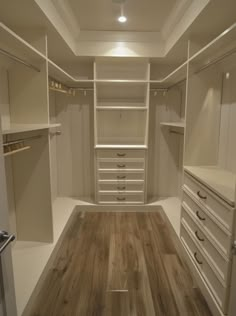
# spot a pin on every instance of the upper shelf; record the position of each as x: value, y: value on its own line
x: 21, y: 128
x: 15, y: 45
x: 216, y: 49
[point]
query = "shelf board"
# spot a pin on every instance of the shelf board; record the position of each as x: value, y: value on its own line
x: 121, y: 81
x: 21, y: 128
x: 176, y: 76
x: 61, y: 75
x: 139, y: 108
x: 219, y: 181
x: 121, y: 146
x: 214, y: 50
x: 173, y: 124
x: 14, y: 44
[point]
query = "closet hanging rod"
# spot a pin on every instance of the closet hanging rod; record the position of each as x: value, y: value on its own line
x: 19, y: 60
x: 82, y: 89
x: 16, y: 141
x: 216, y: 60
x: 178, y: 133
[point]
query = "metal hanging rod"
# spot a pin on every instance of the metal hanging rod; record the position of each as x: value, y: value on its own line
x: 17, y: 141
x: 178, y: 133
x: 83, y: 89
x: 19, y: 60
x: 216, y: 60
x: 159, y: 89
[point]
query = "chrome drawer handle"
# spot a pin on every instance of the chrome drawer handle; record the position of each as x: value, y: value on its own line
x: 121, y: 154
x: 120, y: 166
x: 6, y: 238
x: 121, y: 188
x: 199, y: 238
x: 196, y: 258
x: 121, y: 177
x: 201, y: 196
x: 201, y: 218
x: 121, y: 198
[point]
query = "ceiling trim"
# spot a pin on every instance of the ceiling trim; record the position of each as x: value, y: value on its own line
x: 65, y: 11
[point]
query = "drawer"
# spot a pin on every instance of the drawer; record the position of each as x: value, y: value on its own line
x: 121, y: 164
x: 214, y: 285
x: 209, y: 224
x: 121, y: 175
x: 121, y: 186
x: 218, y: 263
x: 120, y: 153
x: 120, y: 198
x: 210, y: 201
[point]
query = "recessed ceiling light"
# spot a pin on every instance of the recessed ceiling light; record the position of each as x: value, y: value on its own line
x: 122, y: 19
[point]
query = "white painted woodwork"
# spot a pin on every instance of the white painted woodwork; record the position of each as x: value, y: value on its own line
x: 7, y: 287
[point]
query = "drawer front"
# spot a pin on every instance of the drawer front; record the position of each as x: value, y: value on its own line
x: 120, y: 198
x: 214, y: 285
x: 121, y: 186
x: 121, y: 164
x: 209, y: 224
x: 120, y: 153
x: 121, y: 175
x: 208, y: 200
x: 218, y: 263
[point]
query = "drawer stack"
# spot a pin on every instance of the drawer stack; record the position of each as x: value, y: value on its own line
x: 206, y: 233
x: 120, y: 176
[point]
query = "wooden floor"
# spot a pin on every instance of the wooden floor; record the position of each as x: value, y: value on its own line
x: 119, y: 264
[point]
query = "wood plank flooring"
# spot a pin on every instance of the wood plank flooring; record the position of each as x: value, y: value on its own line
x: 119, y: 264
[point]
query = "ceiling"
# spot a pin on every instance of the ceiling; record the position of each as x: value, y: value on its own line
x: 83, y: 29
x: 101, y: 15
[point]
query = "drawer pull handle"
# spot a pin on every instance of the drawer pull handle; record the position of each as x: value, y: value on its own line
x: 199, y: 238
x: 196, y: 258
x: 121, y: 154
x: 120, y: 166
x: 121, y: 198
x: 201, y: 218
x: 121, y: 177
x: 201, y: 196
x: 121, y: 188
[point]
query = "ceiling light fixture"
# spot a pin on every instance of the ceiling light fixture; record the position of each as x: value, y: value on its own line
x: 122, y: 18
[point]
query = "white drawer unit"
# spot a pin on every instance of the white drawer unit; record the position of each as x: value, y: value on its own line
x: 121, y: 164
x: 121, y: 186
x: 207, y: 222
x: 218, y: 262
x: 217, y: 289
x: 120, y: 153
x: 121, y: 176
x: 220, y: 236
x: 215, y: 205
x: 120, y: 198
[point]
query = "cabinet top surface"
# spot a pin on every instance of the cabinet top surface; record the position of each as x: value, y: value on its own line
x: 221, y: 182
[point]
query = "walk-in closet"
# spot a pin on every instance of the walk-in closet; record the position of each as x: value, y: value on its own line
x: 117, y: 158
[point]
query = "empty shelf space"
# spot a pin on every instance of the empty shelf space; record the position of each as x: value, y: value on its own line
x: 173, y: 124
x: 220, y: 181
x: 20, y: 128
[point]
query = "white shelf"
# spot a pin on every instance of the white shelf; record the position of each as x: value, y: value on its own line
x: 136, y: 108
x: 20, y: 128
x: 216, y: 48
x: 121, y: 81
x: 173, y: 124
x: 121, y: 146
x: 221, y: 182
x: 178, y: 75
x: 61, y: 75
x: 17, y: 46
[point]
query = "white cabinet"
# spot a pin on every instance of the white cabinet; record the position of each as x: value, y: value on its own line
x: 121, y: 114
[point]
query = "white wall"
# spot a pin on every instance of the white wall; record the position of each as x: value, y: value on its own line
x: 75, y: 145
